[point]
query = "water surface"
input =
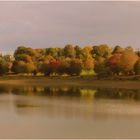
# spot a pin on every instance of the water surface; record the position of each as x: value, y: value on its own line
x: 68, y: 112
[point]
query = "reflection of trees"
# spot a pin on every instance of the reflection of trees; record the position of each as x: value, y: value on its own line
x: 57, y: 104
x: 88, y: 93
x: 62, y: 91
x: 48, y: 91
x: 27, y: 90
x: 61, y: 107
x: 117, y: 94
x: 4, y: 89
x: 84, y: 93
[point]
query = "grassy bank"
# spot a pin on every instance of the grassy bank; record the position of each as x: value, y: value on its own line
x: 68, y: 81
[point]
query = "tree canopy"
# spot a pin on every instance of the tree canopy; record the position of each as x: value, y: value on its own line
x: 72, y: 60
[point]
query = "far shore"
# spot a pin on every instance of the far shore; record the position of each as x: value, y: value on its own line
x: 89, y: 82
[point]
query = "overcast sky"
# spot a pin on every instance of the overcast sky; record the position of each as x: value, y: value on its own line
x: 54, y: 24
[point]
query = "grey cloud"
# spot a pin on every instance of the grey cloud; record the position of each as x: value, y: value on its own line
x: 47, y: 24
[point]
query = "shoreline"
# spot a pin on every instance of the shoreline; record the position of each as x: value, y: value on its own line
x: 89, y: 82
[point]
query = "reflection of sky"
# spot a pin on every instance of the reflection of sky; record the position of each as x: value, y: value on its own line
x: 44, y: 117
x: 85, y: 107
x: 47, y: 24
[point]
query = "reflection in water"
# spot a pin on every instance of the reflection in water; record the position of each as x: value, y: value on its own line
x: 74, y: 101
x: 74, y: 92
x: 71, y: 108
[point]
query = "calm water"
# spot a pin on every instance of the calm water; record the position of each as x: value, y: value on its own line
x: 52, y: 112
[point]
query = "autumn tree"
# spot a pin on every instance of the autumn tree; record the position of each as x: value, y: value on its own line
x: 62, y: 67
x: 114, y: 63
x: 86, y: 51
x: 129, y: 48
x: 137, y: 67
x: 51, y: 67
x: 88, y: 63
x: 127, y: 61
x: 138, y: 52
x: 74, y: 67
x: 25, y: 58
x: 72, y: 60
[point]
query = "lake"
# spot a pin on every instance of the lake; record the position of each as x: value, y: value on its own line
x: 68, y: 112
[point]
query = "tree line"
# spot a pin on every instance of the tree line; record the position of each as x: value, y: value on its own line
x: 72, y: 60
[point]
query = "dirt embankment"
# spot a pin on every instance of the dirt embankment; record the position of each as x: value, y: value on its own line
x: 70, y: 81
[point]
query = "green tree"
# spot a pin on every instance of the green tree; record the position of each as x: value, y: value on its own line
x: 4, y: 67
x: 25, y: 50
x: 40, y: 54
x: 69, y: 51
x: 9, y: 60
x: 23, y: 57
x: 74, y: 67
x: 46, y: 68
x: 78, y: 51
x: 117, y: 49
x: 101, y: 50
x: 22, y: 67
x: 54, y: 52
x: 102, y: 70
